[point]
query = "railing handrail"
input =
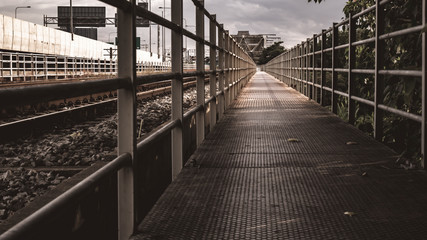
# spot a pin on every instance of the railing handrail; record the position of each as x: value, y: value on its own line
x: 285, y: 65
x: 233, y: 71
x: 22, y: 229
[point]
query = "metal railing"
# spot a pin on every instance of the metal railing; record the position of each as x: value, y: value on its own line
x: 16, y: 66
x: 297, y: 67
x: 235, y: 68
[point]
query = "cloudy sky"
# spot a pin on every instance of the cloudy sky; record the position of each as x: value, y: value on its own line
x: 293, y: 20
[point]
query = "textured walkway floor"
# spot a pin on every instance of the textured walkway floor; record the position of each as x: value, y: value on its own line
x: 253, y: 183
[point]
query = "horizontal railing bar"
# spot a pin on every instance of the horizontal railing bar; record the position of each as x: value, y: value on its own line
x: 342, y: 70
x: 408, y: 73
x: 369, y: 9
x: 163, y: 131
x: 327, y: 88
x: 49, y: 92
x: 193, y: 111
x: 25, y: 228
x: 341, y: 93
x: 341, y: 46
x: 362, y: 100
x: 345, y: 21
x: 364, y: 41
x: 401, y: 32
x: 211, y: 99
x: 401, y: 113
x: 327, y: 50
x: 363, y: 71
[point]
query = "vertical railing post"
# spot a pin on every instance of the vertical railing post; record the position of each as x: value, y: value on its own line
x: 126, y: 105
x: 322, y: 73
x: 221, y: 78
x: 200, y: 67
x: 212, y: 76
x: 177, y: 112
x: 334, y: 74
x: 227, y: 69
x: 283, y: 66
x: 45, y: 66
x: 65, y: 67
x: 379, y: 85
x: 313, y: 87
x: 235, y: 69
x: 424, y: 87
x: 351, y: 64
x: 288, y: 65
x: 301, y: 73
x: 292, y: 67
x: 307, y: 64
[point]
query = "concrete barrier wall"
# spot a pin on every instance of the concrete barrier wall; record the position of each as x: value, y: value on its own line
x: 22, y: 36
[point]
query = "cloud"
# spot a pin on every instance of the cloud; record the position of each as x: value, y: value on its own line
x: 293, y: 20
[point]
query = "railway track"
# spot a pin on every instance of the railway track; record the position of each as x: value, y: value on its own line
x: 33, y: 165
x: 77, y: 109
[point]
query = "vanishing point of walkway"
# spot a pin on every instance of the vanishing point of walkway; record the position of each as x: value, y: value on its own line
x: 277, y: 166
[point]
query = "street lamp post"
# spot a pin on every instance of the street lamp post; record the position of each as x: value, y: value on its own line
x: 16, y: 9
x: 163, y: 30
x: 186, y: 50
x: 109, y: 37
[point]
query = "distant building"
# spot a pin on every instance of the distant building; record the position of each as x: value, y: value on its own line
x: 254, y: 44
x: 270, y: 39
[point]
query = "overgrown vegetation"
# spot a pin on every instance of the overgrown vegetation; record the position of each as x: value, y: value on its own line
x: 271, y: 52
x: 400, y: 53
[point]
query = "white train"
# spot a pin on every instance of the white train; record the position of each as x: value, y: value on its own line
x: 22, y: 36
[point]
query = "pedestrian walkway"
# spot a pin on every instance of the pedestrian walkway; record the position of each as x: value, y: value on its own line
x: 279, y: 166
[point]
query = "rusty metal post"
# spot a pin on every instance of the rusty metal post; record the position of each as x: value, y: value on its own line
x: 351, y: 64
x: 200, y: 66
x: 379, y: 81
x: 126, y: 109
x: 212, y: 76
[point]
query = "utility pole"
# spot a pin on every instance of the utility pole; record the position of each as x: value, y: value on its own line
x: 149, y: 31
x: 71, y: 20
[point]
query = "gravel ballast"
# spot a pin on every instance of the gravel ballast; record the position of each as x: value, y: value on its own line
x: 79, y: 145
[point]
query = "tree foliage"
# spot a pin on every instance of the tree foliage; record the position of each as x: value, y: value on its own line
x: 399, y: 53
x: 271, y: 52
